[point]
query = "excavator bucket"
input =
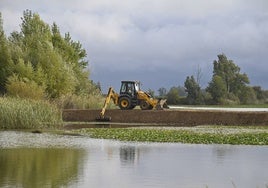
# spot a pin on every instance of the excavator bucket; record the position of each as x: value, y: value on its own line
x: 103, y: 118
x: 162, y: 104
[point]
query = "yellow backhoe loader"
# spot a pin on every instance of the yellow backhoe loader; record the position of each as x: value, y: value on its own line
x: 129, y: 97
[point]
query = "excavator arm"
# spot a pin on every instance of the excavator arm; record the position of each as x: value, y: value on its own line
x: 111, y: 95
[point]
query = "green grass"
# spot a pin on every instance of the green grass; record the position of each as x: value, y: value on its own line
x: 28, y: 114
x: 201, y: 135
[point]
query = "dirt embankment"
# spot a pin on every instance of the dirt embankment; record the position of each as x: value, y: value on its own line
x: 171, y: 117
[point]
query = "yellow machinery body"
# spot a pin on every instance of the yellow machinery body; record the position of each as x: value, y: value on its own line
x: 131, y: 96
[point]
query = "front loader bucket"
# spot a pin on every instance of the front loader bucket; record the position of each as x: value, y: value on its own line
x: 162, y: 104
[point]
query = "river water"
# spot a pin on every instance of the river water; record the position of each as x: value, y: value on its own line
x: 48, y: 160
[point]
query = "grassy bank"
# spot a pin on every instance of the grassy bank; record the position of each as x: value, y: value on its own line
x: 195, y: 135
x: 28, y: 114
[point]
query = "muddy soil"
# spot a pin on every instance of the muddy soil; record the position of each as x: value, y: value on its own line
x: 171, y: 117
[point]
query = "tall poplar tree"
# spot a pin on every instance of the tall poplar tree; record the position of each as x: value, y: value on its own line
x: 227, y: 81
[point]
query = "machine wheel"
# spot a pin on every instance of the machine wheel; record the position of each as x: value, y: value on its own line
x: 124, y: 103
x: 145, y: 105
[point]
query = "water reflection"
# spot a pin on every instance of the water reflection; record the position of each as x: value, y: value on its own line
x: 128, y: 155
x: 44, y: 160
x: 44, y: 167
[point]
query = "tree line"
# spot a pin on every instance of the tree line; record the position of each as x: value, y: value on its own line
x: 227, y: 86
x: 39, y: 62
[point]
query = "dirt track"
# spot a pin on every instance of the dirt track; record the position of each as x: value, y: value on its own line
x: 172, y: 117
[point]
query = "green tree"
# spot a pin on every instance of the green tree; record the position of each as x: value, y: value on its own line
x: 162, y: 92
x: 71, y: 51
x: 5, y: 58
x: 173, y: 96
x: 24, y: 88
x: 59, y: 78
x: 58, y: 63
x: 247, y: 95
x: 16, y: 47
x: 98, y: 86
x: 228, y: 80
x: 24, y: 70
x: 74, y: 56
x: 36, y: 38
x: 182, y: 91
x: 194, y: 94
x: 230, y: 74
x: 39, y: 56
x: 217, y: 89
x: 260, y: 94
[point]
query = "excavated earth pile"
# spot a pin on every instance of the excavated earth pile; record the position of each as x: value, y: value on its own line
x: 171, y: 117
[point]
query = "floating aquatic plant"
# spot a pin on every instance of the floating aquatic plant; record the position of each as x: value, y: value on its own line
x: 221, y: 135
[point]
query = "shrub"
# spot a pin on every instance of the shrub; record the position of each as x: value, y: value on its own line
x: 26, y: 89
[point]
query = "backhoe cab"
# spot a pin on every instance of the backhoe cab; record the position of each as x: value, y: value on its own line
x: 128, y: 98
x: 131, y: 96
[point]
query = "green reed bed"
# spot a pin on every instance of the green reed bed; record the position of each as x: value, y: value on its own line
x: 28, y: 114
x: 180, y: 135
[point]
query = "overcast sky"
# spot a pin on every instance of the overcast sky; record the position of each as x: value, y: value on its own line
x: 158, y: 42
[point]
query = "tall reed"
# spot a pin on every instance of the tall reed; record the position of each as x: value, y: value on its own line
x: 16, y: 113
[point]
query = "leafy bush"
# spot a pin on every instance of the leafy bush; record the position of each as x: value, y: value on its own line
x: 24, y: 89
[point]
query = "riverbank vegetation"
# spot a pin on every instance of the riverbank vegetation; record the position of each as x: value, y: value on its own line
x: 28, y: 114
x: 41, y: 73
x: 194, y: 135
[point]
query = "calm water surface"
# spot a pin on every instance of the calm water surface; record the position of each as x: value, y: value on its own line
x: 46, y: 160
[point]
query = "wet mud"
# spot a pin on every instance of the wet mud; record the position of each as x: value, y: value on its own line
x: 170, y: 117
